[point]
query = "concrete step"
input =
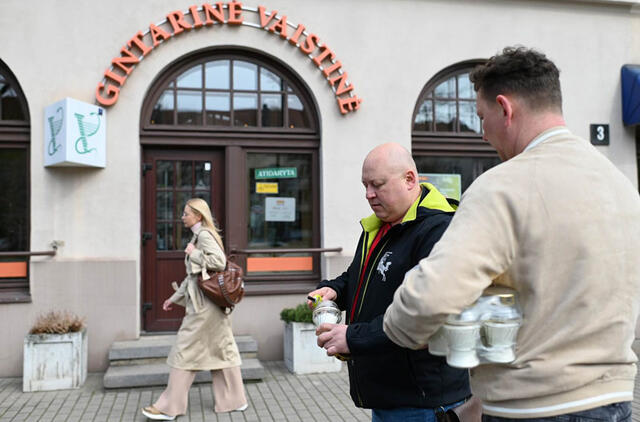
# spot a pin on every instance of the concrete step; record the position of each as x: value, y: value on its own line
x: 158, y: 374
x: 151, y: 348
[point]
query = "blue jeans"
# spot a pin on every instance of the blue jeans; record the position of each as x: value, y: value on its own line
x: 408, y: 414
x: 616, y: 412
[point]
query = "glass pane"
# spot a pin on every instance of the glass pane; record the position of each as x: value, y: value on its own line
x: 181, y: 200
x: 468, y: 167
x: 271, y: 110
x: 203, y: 174
x: 164, y: 236
x: 216, y: 74
x: 218, y: 106
x: 269, y: 81
x: 469, y: 120
x: 164, y: 205
x: 184, y: 236
x: 14, y: 210
x: 245, y: 110
x: 192, y: 78
x: 184, y: 169
x: 445, y: 116
x: 283, y: 219
x: 465, y: 87
x: 164, y: 174
x: 10, y: 105
x: 162, y: 113
x: 189, y: 108
x: 206, y: 196
x: 297, y: 115
x: 424, y: 117
x: 245, y: 75
x: 446, y: 89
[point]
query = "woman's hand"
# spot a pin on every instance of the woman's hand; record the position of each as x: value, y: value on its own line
x: 166, y: 306
x: 189, y: 248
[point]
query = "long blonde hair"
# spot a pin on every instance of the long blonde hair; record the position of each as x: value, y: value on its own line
x: 201, y: 208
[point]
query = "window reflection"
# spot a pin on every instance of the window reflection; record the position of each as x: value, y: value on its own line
x: 445, y: 116
x: 163, y: 110
x: 245, y: 108
x: 189, y: 107
x: 269, y: 81
x: 218, y: 105
x: 217, y: 74
x: 424, y: 117
x: 192, y: 78
x: 271, y: 110
x: 446, y: 89
x: 245, y: 75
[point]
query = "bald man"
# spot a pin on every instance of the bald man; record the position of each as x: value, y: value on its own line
x: 408, y: 219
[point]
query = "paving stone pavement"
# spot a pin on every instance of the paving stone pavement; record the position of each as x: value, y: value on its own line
x: 281, y: 396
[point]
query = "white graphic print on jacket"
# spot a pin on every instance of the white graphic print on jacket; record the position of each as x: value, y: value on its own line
x: 384, y: 264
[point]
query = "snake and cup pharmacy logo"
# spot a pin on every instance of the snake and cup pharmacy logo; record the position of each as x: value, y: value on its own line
x: 55, y: 124
x: 87, y: 129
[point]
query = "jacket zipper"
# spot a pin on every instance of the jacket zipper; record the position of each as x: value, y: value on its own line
x: 355, y: 381
x: 413, y: 374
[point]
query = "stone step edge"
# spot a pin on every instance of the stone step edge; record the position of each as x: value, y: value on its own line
x: 158, y: 374
x: 159, y: 346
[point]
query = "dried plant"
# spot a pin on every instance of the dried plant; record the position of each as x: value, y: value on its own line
x: 57, y: 322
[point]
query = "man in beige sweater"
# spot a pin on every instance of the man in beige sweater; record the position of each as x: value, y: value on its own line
x: 560, y: 224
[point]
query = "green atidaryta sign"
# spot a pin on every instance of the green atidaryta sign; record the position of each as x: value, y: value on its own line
x: 276, y: 173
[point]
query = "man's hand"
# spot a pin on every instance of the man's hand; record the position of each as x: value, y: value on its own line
x: 327, y: 293
x: 333, y: 337
x: 166, y: 306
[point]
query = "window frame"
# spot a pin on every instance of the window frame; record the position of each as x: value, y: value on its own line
x: 448, y: 143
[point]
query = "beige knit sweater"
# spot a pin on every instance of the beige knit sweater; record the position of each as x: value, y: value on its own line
x: 560, y: 224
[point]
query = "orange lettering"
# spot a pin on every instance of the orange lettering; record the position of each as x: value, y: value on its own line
x: 294, y: 39
x: 280, y: 26
x: 122, y: 61
x: 329, y: 70
x: 349, y: 104
x: 341, y: 79
x: 114, y: 76
x: 309, y: 44
x: 212, y: 14
x: 235, y: 13
x: 264, y: 20
x: 158, y: 33
x: 137, y: 40
x: 112, y: 92
x: 325, y: 53
x: 176, y: 19
x: 197, y: 22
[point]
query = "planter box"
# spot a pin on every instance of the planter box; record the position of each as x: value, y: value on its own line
x: 54, y: 361
x: 301, y: 352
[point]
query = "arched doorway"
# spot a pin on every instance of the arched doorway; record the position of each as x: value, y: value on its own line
x: 240, y: 130
x: 15, y: 135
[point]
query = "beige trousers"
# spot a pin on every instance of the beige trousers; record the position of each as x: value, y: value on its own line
x: 228, y: 391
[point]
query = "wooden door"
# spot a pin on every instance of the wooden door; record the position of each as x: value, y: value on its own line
x: 170, y: 178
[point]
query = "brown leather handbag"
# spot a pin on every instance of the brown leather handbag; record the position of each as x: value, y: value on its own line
x: 224, y: 288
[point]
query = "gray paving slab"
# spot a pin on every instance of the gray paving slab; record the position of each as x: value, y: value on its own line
x: 280, y: 396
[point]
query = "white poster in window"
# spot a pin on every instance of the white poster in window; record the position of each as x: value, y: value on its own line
x: 279, y: 209
x: 450, y: 185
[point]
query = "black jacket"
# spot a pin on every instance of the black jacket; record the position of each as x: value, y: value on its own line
x: 382, y: 374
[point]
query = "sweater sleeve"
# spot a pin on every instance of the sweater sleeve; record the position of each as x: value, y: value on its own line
x: 208, y: 253
x: 478, y: 246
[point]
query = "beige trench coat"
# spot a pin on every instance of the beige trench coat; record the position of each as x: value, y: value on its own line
x: 205, y: 340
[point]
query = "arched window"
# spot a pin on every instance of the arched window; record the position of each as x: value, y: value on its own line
x: 14, y: 179
x: 239, y: 129
x: 446, y: 134
x: 229, y: 91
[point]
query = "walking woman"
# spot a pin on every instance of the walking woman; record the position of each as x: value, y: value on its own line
x: 204, y: 340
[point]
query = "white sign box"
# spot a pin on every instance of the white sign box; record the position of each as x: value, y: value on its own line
x: 75, y: 134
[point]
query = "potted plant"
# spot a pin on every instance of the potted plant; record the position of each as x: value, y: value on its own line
x: 55, y: 353
x: 301, y: 352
